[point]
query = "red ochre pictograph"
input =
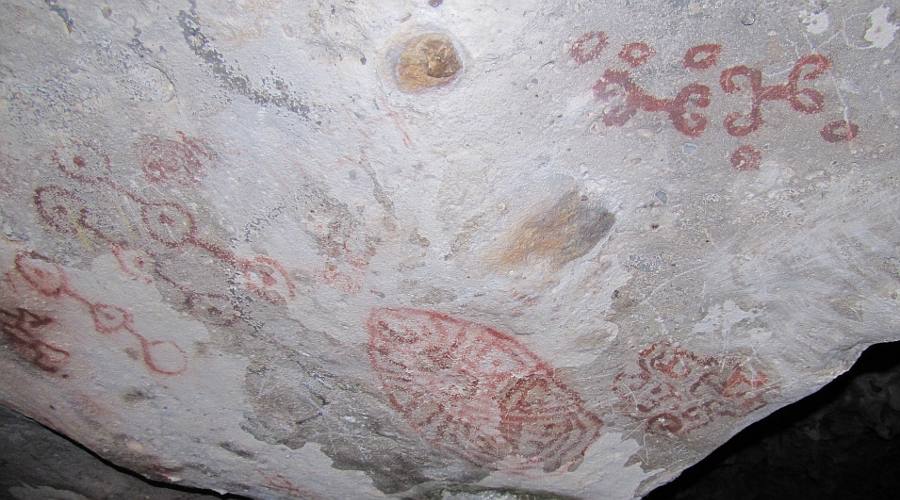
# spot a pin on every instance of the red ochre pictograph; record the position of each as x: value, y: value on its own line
x: 477, y: 392
x: 588, y: 46
x: 21, y: 327
x: 840, y: 131
x: 167, y: 223
x: 618, y: 85
x: 636, y: 53
x: 49, y: 279
x: 674, y: 391
x: 166, y: 161
x: 702, y: 56
x: 804, y: 100
x: 746, y: 158
x: 624, y: 97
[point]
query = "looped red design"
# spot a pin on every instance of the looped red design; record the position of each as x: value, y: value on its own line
x: 108, y: 319
x: 840, y: 131
x: 46, y: 277
x: 154, y: 359
x: 60, y: 208
x: 805, y: 100
x: 708, y: 56
x: 636, y: 53
x: 676, y: 391
x: 478, y: 392
x: 746, y: 158
x: 581, y: 54
x: 49, y: 279
x: 614, y: 83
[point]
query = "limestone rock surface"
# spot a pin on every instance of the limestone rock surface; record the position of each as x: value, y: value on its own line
x: 402, y: 248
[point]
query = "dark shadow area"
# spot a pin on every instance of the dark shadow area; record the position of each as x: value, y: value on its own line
x: 39, y: 463
x: 841, y: 442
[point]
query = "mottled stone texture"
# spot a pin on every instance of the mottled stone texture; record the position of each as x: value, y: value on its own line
x: 401, y: 248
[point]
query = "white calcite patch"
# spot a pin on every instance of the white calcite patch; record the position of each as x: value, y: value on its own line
x: 881, y: 30
x: 815, y: 22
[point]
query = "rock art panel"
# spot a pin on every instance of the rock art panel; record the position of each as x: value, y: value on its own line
x: 288, y: 233
x: 671, y: 390
x: 50, y: 280
x: 622, y: 97
x: 478, y: 392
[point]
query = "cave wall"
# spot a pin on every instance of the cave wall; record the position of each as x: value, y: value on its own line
x: 369, y: 249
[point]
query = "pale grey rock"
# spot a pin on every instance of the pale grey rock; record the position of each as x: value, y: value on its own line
x: 238, y: 254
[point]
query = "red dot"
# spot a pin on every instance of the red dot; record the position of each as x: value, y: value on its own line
x: 840, y: 131
x: 746, y: 158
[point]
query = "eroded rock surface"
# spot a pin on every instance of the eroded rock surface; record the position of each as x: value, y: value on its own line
x: 414, y: 249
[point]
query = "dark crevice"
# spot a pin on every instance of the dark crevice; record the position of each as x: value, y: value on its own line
x: 187, y: 490
x: 840, y: 442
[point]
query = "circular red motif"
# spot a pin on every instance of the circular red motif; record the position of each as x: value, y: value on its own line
x: 168, y: 223
x: 108, y: 319
x: 596, y: 39
x: 60, y: 208
x: 83, y: 162
x: 165, y: 160
x: 636, y: 53
x: 746, y: 158
x: 265, y: 277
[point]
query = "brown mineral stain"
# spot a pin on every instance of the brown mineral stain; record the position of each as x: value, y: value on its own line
x: 566, y: 231
x: 427, y: 61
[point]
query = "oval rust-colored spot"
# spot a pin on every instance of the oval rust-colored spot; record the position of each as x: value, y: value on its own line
x: 558, y: 234
x: 427, y: 61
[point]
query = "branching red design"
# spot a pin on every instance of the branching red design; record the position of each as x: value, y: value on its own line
x: 635, y: 98
x: 623, y: 97
x: 805, y: 100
